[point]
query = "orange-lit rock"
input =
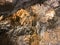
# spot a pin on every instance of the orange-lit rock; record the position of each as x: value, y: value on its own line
x: 23, y: 17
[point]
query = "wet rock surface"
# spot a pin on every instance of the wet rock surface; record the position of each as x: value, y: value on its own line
x: 38, y: 24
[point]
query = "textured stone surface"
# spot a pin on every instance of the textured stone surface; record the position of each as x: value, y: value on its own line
x: 38, y: 24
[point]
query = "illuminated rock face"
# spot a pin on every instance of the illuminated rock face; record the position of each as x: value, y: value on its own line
x: 53, y: 3
x: 2, y: 2
x: 36, y: 25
